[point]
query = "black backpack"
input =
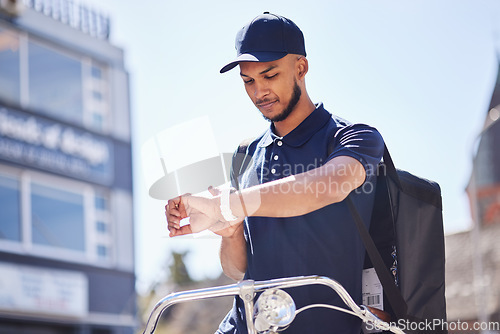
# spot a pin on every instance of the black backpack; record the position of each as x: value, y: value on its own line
x: 405, y: 243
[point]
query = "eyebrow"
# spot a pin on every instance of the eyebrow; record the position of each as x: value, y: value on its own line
x: 263, y: 72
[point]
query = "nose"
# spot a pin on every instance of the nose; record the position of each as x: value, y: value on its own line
x: 260, y: 91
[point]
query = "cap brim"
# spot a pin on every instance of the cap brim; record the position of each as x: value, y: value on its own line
x: 254, y: 57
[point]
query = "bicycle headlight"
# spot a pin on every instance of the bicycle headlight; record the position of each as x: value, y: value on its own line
x: 274, y: 309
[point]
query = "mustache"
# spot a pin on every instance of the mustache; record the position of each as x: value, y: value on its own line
x: 263, y: 101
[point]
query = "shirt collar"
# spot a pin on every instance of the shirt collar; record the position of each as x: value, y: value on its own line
x: 303, y: 132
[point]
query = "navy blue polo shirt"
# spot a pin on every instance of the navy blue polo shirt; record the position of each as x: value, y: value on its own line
x: 323, y: 242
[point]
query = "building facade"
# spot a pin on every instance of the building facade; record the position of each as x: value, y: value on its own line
x: 473, y: 257
x: 66, y: 218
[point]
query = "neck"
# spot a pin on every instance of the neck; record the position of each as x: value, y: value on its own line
x: 303, y: 109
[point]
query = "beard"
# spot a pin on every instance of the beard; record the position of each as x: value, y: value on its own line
x: 297, y: 92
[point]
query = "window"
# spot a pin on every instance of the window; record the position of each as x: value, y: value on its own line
x: 102, y: 251
x: 96, y: 98
x: 55, y: 83
x: 101, y: 227
x: 57, y: 218
x: 97, y: 95
x: 96, y: 72
x: 97, y: 120
x: 69, y: 86
x: 10, y: 222
x: 9, y: 66
x: 100, y: 202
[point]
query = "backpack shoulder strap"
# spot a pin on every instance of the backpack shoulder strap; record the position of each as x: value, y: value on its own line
x: 392, y: 292
x: 240, y: 161
x: 390, y: 169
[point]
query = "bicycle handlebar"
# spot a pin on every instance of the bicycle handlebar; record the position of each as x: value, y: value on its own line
x: 246, y: 290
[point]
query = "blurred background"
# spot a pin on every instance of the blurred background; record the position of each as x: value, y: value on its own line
x: 86, y: 85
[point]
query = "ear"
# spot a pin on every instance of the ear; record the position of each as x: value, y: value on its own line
x: 302, y: 66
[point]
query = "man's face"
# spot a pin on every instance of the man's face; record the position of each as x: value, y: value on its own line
x: 272, y: 86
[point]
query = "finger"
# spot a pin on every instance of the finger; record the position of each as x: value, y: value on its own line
x: 175, y: 212
x: 174, y: 221
x: 214, y: 191
x: 172, y: 227
x: 176, y: 200
x: 176, y: 208
x: 173, y: 202
x: 186, y: 229
x: 173, y: 224
x: 182, y: 206
x: 173, y: 206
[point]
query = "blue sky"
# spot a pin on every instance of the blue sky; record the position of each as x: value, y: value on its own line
x: 421, y: 72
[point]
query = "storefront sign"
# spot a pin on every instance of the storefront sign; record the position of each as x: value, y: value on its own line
x: 35, y: 142
x: 27, y: 289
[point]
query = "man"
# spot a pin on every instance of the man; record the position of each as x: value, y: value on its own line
x: 290, y: 218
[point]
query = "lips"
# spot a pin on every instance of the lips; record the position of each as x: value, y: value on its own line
x: 266, y: 105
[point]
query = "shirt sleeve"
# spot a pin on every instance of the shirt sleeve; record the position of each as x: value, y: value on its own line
x: 359, y: 141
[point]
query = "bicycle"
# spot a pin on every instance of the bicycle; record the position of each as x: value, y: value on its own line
x: 274, y: 309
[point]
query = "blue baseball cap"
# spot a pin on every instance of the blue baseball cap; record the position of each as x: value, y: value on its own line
x: 267, y: 37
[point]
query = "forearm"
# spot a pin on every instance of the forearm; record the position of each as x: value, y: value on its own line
x: 233, y: 254
x: 301, y: 193
x: 292, y: 196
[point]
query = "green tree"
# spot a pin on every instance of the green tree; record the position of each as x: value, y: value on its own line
x: 178, y: 271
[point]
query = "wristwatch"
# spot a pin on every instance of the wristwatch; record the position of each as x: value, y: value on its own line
x: 225, y: 208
